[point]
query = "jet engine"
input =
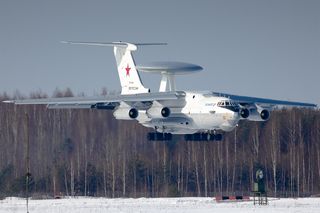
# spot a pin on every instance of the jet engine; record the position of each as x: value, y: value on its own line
x: 126, y: 113
x: 244, y: 113
x: 265, y: 114
x: 159, y: 112
x: 259, y: 114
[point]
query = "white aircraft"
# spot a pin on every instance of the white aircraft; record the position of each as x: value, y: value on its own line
x: 197, y: 115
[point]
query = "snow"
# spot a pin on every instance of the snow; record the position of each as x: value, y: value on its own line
x: 155, y: 205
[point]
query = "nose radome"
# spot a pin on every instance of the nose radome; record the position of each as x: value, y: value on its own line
x: 234, y: 118
x: 235, y: 115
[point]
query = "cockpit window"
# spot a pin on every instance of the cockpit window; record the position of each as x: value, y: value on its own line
x: 231, y: 105
x: 225, y: 103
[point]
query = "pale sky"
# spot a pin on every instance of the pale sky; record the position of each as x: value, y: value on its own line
x: 258, y: 48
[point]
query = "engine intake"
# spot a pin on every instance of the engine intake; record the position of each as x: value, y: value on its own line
x: 165, y: 112
x: 244, y: 113
x: 133, y: 113
x: 264, y: 114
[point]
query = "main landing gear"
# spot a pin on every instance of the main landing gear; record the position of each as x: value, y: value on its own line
x: 203, y: 137
x: 157, y: 136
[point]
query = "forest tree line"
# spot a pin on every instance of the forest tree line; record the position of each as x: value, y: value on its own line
x: 87, y: 152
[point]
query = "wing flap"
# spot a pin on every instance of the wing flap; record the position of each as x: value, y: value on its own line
x: 69, y: 106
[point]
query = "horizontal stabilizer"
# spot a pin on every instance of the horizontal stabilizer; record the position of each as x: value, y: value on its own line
x: 111, y: 44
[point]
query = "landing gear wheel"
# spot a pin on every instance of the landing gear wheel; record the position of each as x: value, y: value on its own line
x: 151, y: 136
x: 157, y: 136
x: 203, y: 137
x: 218, y: 137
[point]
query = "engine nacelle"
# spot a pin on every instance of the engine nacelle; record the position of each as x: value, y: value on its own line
x: 159, y: 112
x: 244, y: 113
x: 265, y: 114
x: 126, y: 113
x: 259, y: 115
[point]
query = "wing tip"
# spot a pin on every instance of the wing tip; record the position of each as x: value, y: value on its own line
x: 8, y: 101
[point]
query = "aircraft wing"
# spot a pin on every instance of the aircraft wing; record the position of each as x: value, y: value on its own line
x: 100, y: 102
x: 246, y: 100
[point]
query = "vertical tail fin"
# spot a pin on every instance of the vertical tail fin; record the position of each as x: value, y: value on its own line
x: 129, y: 77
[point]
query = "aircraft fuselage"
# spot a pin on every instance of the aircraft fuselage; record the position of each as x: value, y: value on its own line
x: 197, y: 112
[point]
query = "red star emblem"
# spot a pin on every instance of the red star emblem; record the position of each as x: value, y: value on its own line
x: 128, y: 70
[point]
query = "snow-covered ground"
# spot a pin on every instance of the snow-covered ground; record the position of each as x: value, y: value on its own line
x: 153, y: 205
